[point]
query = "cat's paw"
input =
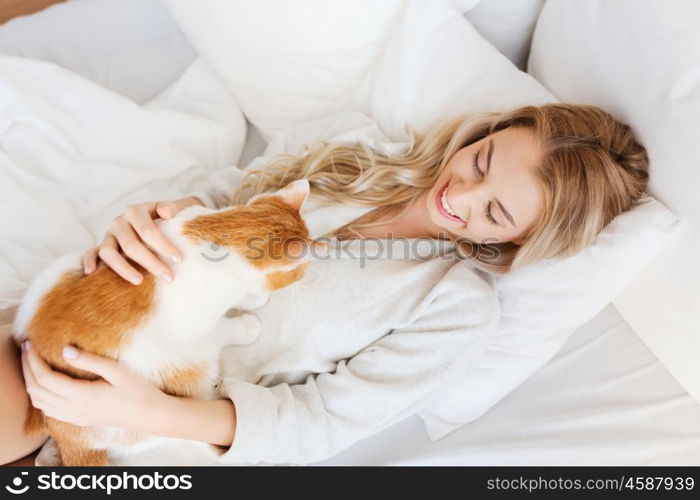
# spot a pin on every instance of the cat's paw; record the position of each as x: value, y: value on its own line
x: 242, y: 329
x: 251, y: 326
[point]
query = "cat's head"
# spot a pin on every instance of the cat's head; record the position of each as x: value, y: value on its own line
x: 268, y: 231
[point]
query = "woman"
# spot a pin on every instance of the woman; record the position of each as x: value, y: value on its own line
x: 344, y: 354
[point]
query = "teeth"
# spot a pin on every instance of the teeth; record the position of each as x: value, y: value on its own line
x: 446, y: 206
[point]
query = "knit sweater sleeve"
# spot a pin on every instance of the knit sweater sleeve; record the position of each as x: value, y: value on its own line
x: 385, y: 382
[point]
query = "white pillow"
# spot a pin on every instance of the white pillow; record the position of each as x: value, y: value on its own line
x: 643, y: 65
x: 436, y: 65
x: 508, y: 25
x: 287, y: 60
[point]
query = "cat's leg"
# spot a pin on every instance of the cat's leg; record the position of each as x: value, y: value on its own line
x: 242, y: 329
x: 77, y: 455
x: 78, y: 445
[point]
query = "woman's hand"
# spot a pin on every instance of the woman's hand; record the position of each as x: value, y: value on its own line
x: 122, y: 399
x: 129, y: 231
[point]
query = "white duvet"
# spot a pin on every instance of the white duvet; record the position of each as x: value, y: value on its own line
x: 73, y: 155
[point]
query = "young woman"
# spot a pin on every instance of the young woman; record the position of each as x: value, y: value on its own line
x: 347, y: 352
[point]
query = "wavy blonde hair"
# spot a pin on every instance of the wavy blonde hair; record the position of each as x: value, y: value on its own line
x: 590, y: 169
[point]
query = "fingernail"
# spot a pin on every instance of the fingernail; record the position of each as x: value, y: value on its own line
x: 27, y: 345
x: 167, y: 277
x: 70, y: 352
x: 24, y: 346
x: 176, y: 258
x: 136, y: 280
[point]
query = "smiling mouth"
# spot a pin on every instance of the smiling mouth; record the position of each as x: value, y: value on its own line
x: 444, y: 207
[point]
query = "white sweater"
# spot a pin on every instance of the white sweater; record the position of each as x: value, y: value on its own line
x: 352, y: 348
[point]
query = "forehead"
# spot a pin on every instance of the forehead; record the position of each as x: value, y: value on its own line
x: 513, y: 171
x: 516, y: 148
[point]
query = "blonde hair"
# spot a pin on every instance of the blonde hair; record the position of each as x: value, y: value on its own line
x: 590, y: 169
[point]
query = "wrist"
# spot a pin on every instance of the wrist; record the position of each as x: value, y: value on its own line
x: 211, y: 421
x: 156, y: 414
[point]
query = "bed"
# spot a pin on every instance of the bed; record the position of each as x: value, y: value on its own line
x: 604, y: 399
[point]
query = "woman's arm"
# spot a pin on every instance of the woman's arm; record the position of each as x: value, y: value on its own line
x: 212, y: 421
x: 387, y: 381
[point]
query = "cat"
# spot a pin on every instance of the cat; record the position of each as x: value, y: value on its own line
x: 169, y: 333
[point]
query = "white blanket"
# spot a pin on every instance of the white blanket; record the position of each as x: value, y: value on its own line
x: 73, y: 155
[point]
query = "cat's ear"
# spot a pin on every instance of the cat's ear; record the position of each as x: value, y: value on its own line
x: 295, y: 193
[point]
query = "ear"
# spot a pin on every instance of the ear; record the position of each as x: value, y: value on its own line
x: 295, y: 193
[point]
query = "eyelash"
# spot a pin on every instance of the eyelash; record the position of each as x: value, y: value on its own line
x: 477, y: 169
x: 487, y: 206
x: 487, y: 209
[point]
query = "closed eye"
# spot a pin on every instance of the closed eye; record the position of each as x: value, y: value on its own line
x: 487, y: 208
x: 489, y: 216
x: 475, y: 166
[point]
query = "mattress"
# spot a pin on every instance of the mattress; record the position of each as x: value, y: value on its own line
x: 604, y: 399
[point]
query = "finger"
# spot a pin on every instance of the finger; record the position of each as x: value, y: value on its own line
x: 29, y: 379
x: 168, y: 209
x: 51, y: 380
x: 149, y: 232
x: 134, y: 248
x: 42, y: 399
x: 109, y: 253
x: 38, y: 395
x: 90, y: 260
x: 60, y: 414
x: 110, y: 370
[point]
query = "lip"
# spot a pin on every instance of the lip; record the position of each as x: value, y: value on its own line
x: 442, y: 211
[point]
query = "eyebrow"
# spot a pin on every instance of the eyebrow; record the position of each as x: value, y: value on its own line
x: 488, y: 167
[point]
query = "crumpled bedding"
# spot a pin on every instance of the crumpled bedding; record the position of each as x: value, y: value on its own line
x: 73, y: 155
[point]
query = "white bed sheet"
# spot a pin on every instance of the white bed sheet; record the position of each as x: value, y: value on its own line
x: 604, y: 399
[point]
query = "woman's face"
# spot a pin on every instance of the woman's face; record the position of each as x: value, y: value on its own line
x: 488, y: 191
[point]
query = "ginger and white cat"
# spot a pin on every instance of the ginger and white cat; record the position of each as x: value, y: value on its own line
x: 169, y: 333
